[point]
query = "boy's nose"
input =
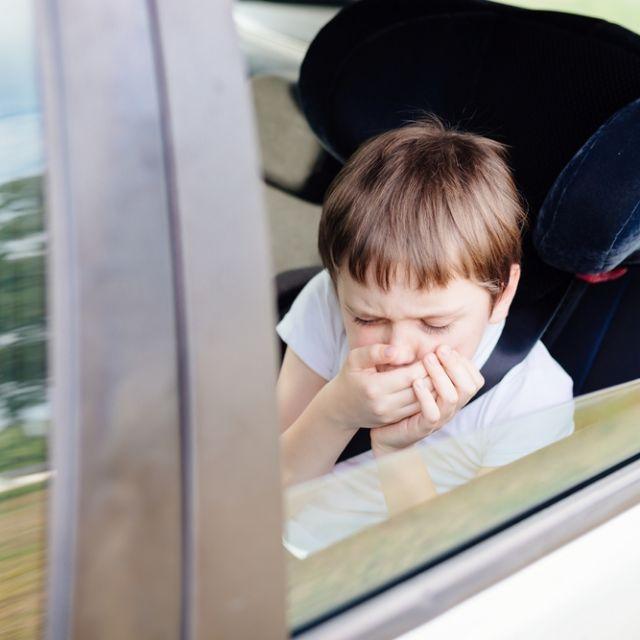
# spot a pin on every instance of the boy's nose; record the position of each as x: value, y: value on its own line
x: 412, y: 341
x: 407, y: 338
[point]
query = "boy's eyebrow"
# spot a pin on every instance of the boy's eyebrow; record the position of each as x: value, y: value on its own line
x: 436, y: 314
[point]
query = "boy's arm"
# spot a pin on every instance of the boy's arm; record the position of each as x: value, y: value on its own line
x: 297, y: 385
x: 312, y: 444
x: 482, y: 471
x: 311, y: 441
x: 357, y: 396
x: 405, y: 480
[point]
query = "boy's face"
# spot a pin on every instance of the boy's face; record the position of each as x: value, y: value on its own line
x: 456, y: 315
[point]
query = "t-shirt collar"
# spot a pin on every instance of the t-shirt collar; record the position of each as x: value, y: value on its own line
x: 488, y: 342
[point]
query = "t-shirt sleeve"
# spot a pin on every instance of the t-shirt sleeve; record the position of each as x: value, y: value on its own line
x: 532, y: 411
x: 310, y: 328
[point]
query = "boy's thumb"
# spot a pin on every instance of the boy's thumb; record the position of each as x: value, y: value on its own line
x: 371, y: 355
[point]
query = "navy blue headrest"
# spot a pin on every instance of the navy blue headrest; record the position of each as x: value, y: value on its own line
x: 590, y: 221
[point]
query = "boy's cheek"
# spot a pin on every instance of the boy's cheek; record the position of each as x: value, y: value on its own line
x: 467, y: 348
x: 361, y: 338
x: 465, y: 351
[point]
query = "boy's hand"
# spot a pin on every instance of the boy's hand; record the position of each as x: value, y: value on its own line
x: 455, y: 381
x: 361, y: 396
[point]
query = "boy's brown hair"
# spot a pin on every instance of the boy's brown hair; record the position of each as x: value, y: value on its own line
x: 429, y: 199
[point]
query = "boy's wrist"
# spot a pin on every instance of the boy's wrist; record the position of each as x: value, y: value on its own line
x: 331, y: 408
x: 380, y: 450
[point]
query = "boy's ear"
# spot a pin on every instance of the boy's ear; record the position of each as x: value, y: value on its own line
x: 501, y: 307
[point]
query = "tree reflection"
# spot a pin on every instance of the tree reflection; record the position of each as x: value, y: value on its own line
x: 23, y: 367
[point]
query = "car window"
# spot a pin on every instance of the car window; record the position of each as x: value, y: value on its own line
x: 619, y: 11
x: 344, y: 554
x: 24, y: 407
x: 274, y: 36
x: 348, y: 538
x: 370, y: 523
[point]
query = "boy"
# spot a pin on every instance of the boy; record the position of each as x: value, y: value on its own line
x: 420, y: 239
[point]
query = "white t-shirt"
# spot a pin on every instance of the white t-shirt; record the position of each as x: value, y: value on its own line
x: 481, y: 434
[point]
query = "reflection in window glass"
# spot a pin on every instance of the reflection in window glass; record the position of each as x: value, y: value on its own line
x: 24, y: 409
x: 274, y: 36
x: 364, y: 491
x: 365, y: 525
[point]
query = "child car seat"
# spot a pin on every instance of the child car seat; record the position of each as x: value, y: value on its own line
x: 542, y: 82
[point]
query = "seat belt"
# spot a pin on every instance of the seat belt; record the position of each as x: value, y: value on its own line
x: 526, y: 324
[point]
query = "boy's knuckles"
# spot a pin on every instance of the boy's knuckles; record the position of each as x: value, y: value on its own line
x: 432, y: 420
x: 371, y: 391
x: 419, y: 366
x: 379, y: 409
x: 413, y: 373
x: 407, y: 378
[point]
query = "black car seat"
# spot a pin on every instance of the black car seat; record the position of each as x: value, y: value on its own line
x: 543, y: 83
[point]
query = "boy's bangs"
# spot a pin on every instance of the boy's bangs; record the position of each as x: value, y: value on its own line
x: 381, y: 258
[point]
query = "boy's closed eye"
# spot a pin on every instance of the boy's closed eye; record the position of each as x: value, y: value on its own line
x: 429, y: 327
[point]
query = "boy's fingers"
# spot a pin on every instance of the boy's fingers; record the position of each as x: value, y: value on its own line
x: 473, y: 371
x: 403, y: 377
x: 427, y: 402
x: 394, y: 406
x: 369, y: 356
x: 402, y: 398
x: 458, y: 373
x: 406, y: 411
x: 441, y: 381
x: 399, y: 413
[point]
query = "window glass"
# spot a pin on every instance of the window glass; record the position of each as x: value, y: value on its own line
x: 369, y: 523
x: 274, y: 36
x: 622, y: 12
x: 366, y: 525
x: 24, y: 407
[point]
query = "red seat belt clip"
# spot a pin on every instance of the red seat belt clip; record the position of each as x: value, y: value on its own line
x: 607, y: 276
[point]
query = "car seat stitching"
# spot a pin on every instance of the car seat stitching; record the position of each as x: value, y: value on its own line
x: 622, y: 228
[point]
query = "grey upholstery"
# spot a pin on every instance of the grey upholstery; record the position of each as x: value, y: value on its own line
x: 288, y: 147
x: 293, y: 227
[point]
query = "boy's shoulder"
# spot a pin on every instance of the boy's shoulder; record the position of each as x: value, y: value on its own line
x: 322, y: 285
x: 540, y: 366
x: 537, y: 383
x: 313, y: 326
x: 319, y: 291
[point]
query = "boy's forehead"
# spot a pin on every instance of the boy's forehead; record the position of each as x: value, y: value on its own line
x: 402, y: 296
